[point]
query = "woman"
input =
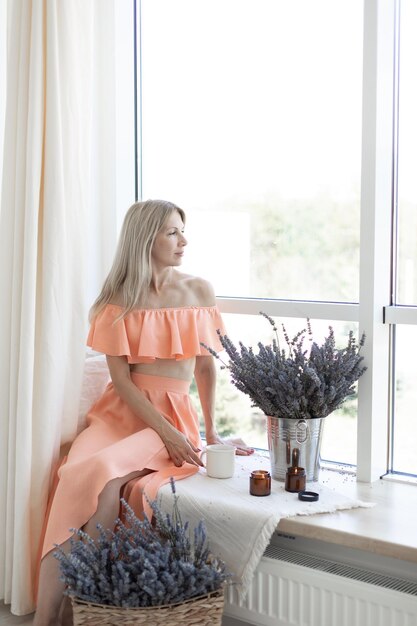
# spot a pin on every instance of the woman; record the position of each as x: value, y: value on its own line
x: 149, y: 320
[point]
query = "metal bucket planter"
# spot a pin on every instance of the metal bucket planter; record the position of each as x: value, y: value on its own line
x: 284, y: 435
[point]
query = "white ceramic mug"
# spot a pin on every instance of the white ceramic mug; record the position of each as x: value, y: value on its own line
x: 220, y: 461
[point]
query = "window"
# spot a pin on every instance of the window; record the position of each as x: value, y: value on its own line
x: 254, y: 125
x: 404, y: 425
x: 252, y: 116
x: 407, y: 157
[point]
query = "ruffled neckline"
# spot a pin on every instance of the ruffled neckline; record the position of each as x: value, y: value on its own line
x: 144, y: 335
x: 187, y: 307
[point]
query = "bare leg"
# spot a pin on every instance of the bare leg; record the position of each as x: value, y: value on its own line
x: 65, y: 615
x: 109, y: 504
x: 50, y: 591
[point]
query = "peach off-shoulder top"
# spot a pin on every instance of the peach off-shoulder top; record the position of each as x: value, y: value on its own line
x: 144, y: 335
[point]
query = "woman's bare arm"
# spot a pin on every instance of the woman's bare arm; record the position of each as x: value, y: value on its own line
x: 205, y: 378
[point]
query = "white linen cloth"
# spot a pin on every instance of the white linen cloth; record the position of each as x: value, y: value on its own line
x: 240, y: 526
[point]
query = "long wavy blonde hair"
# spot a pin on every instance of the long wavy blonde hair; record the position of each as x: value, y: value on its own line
x: 130, y: 276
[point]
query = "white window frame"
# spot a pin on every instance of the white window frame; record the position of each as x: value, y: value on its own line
x: 377, y: 193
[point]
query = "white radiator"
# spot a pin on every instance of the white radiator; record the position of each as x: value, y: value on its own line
x: 309, y: 583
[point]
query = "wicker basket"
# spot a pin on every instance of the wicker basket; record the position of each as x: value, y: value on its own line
x: 201, y: 611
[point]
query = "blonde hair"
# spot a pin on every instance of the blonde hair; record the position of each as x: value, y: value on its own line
x: 131, y: 273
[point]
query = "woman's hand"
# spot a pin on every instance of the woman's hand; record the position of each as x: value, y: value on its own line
x: 180, y: 449
x: 240, y: 448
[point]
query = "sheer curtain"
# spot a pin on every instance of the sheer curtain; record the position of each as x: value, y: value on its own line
x: 3, y: 33
x: 57, y: 222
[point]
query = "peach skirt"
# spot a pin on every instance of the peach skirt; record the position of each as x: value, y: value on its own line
x: 115, y: 443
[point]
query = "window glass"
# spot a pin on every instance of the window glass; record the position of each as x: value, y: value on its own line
x: 236, y: 416
x: 251, y: 121
x: 407, y: 157
x: 404, y: 428
x: 405, y: 417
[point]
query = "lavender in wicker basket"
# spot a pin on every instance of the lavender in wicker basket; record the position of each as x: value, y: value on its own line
x: 140, y: 563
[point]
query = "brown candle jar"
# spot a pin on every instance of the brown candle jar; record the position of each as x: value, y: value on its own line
x: 295, y: 479
x: 260, y: 483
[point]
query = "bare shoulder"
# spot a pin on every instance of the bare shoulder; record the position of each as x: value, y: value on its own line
x: 204, y: 291
x: 200, y: 291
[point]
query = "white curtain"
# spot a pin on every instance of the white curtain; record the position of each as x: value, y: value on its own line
x: 3, y: 36
x: 57, y: 222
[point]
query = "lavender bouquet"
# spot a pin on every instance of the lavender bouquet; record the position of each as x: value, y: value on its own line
x: 141, y: 563
x: 295, y: 382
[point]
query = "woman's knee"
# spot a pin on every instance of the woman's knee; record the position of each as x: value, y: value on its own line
x: 113, y: 487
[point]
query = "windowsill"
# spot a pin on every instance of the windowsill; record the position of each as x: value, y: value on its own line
x: 387, y: 528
